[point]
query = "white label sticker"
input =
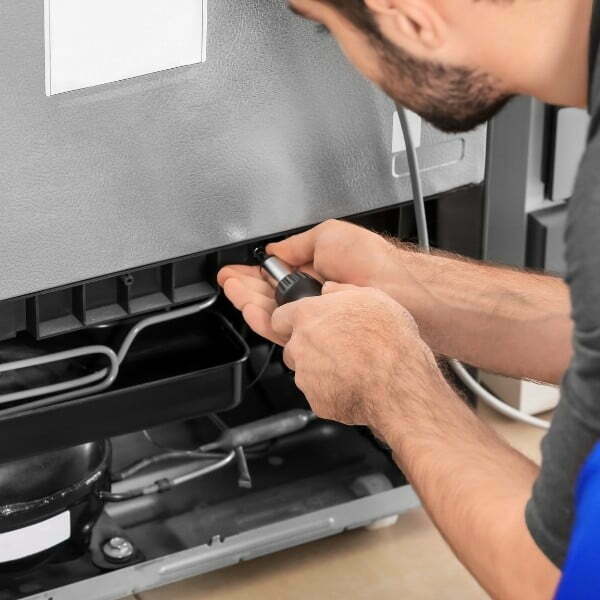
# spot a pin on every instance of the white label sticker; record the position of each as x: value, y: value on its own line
x: 92, y: 42
x: 28, y: 541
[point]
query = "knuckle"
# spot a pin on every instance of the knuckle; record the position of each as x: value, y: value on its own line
x: 276, y: 323
x: 378, y: 293
x: 313, y: 335
x: 288, y: 357
x: 406, y: 315
x: 331, y: 224
x: 304, y: 312
x: 299, y: 381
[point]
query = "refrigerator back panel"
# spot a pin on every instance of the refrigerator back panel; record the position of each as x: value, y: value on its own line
x: 274, y: 131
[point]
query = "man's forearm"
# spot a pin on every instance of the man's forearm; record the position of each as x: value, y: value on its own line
x: 502, y: 320
x: 474, y: 487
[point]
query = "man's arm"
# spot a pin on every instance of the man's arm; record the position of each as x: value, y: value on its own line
x: 503, y: 320
x: 474, y: 487
x: 359, y: 360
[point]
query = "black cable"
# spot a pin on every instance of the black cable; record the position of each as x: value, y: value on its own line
x: 264, y: 368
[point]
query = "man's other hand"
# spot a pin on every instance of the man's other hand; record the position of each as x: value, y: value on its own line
x: 358, y: 357
x: 338, y: 251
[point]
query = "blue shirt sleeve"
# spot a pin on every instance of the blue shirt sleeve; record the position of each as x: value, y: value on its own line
x: 581, y: 573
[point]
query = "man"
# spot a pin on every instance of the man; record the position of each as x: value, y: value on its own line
x: 363, y: 353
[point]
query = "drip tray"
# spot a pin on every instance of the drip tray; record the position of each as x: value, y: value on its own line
x: 174, y: 371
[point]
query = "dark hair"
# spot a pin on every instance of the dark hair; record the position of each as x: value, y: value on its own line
x: 358, y: 14
x: 363, y: 18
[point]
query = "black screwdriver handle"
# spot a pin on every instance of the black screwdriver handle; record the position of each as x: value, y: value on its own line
x: 297, y: 286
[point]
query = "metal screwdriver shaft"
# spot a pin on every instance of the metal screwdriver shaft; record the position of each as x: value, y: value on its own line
x: 290, y: 286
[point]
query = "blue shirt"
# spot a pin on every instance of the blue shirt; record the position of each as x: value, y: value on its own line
x: 581, y: 573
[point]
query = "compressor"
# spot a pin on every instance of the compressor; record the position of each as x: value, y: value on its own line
x: 49, y: 505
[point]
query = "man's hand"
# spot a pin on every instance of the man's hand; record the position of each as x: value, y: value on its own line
x: 341, y: 252
x: 358, y: 357
x: 333, y: 251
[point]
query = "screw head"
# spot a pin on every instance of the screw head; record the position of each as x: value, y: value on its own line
x: 119, y: 549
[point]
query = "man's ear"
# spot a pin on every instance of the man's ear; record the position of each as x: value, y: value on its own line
x: 414, y: 25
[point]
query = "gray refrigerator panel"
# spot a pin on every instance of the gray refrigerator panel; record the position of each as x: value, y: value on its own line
x: 275, y: 131
x: 247, y: 546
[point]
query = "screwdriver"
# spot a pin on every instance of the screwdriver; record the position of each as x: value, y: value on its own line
x: 289, y: 285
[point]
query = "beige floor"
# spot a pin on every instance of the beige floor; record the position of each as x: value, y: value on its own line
x: 408, y: 561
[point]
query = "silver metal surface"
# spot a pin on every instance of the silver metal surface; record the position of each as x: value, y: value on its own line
x: 572, y: 126
x: 275, y: 131
x: 507, y: 190
x: 118, y: 548
x: 276, y: 269
x: 106, y: 376
x: 245, y: 546
x: 515, y: 182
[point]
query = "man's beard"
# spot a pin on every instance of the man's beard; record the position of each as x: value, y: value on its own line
x: 452, y: 99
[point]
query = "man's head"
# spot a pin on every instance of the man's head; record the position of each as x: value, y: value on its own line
x: 416, y: 51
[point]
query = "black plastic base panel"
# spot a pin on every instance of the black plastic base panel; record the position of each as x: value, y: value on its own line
x: 107, y: 300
